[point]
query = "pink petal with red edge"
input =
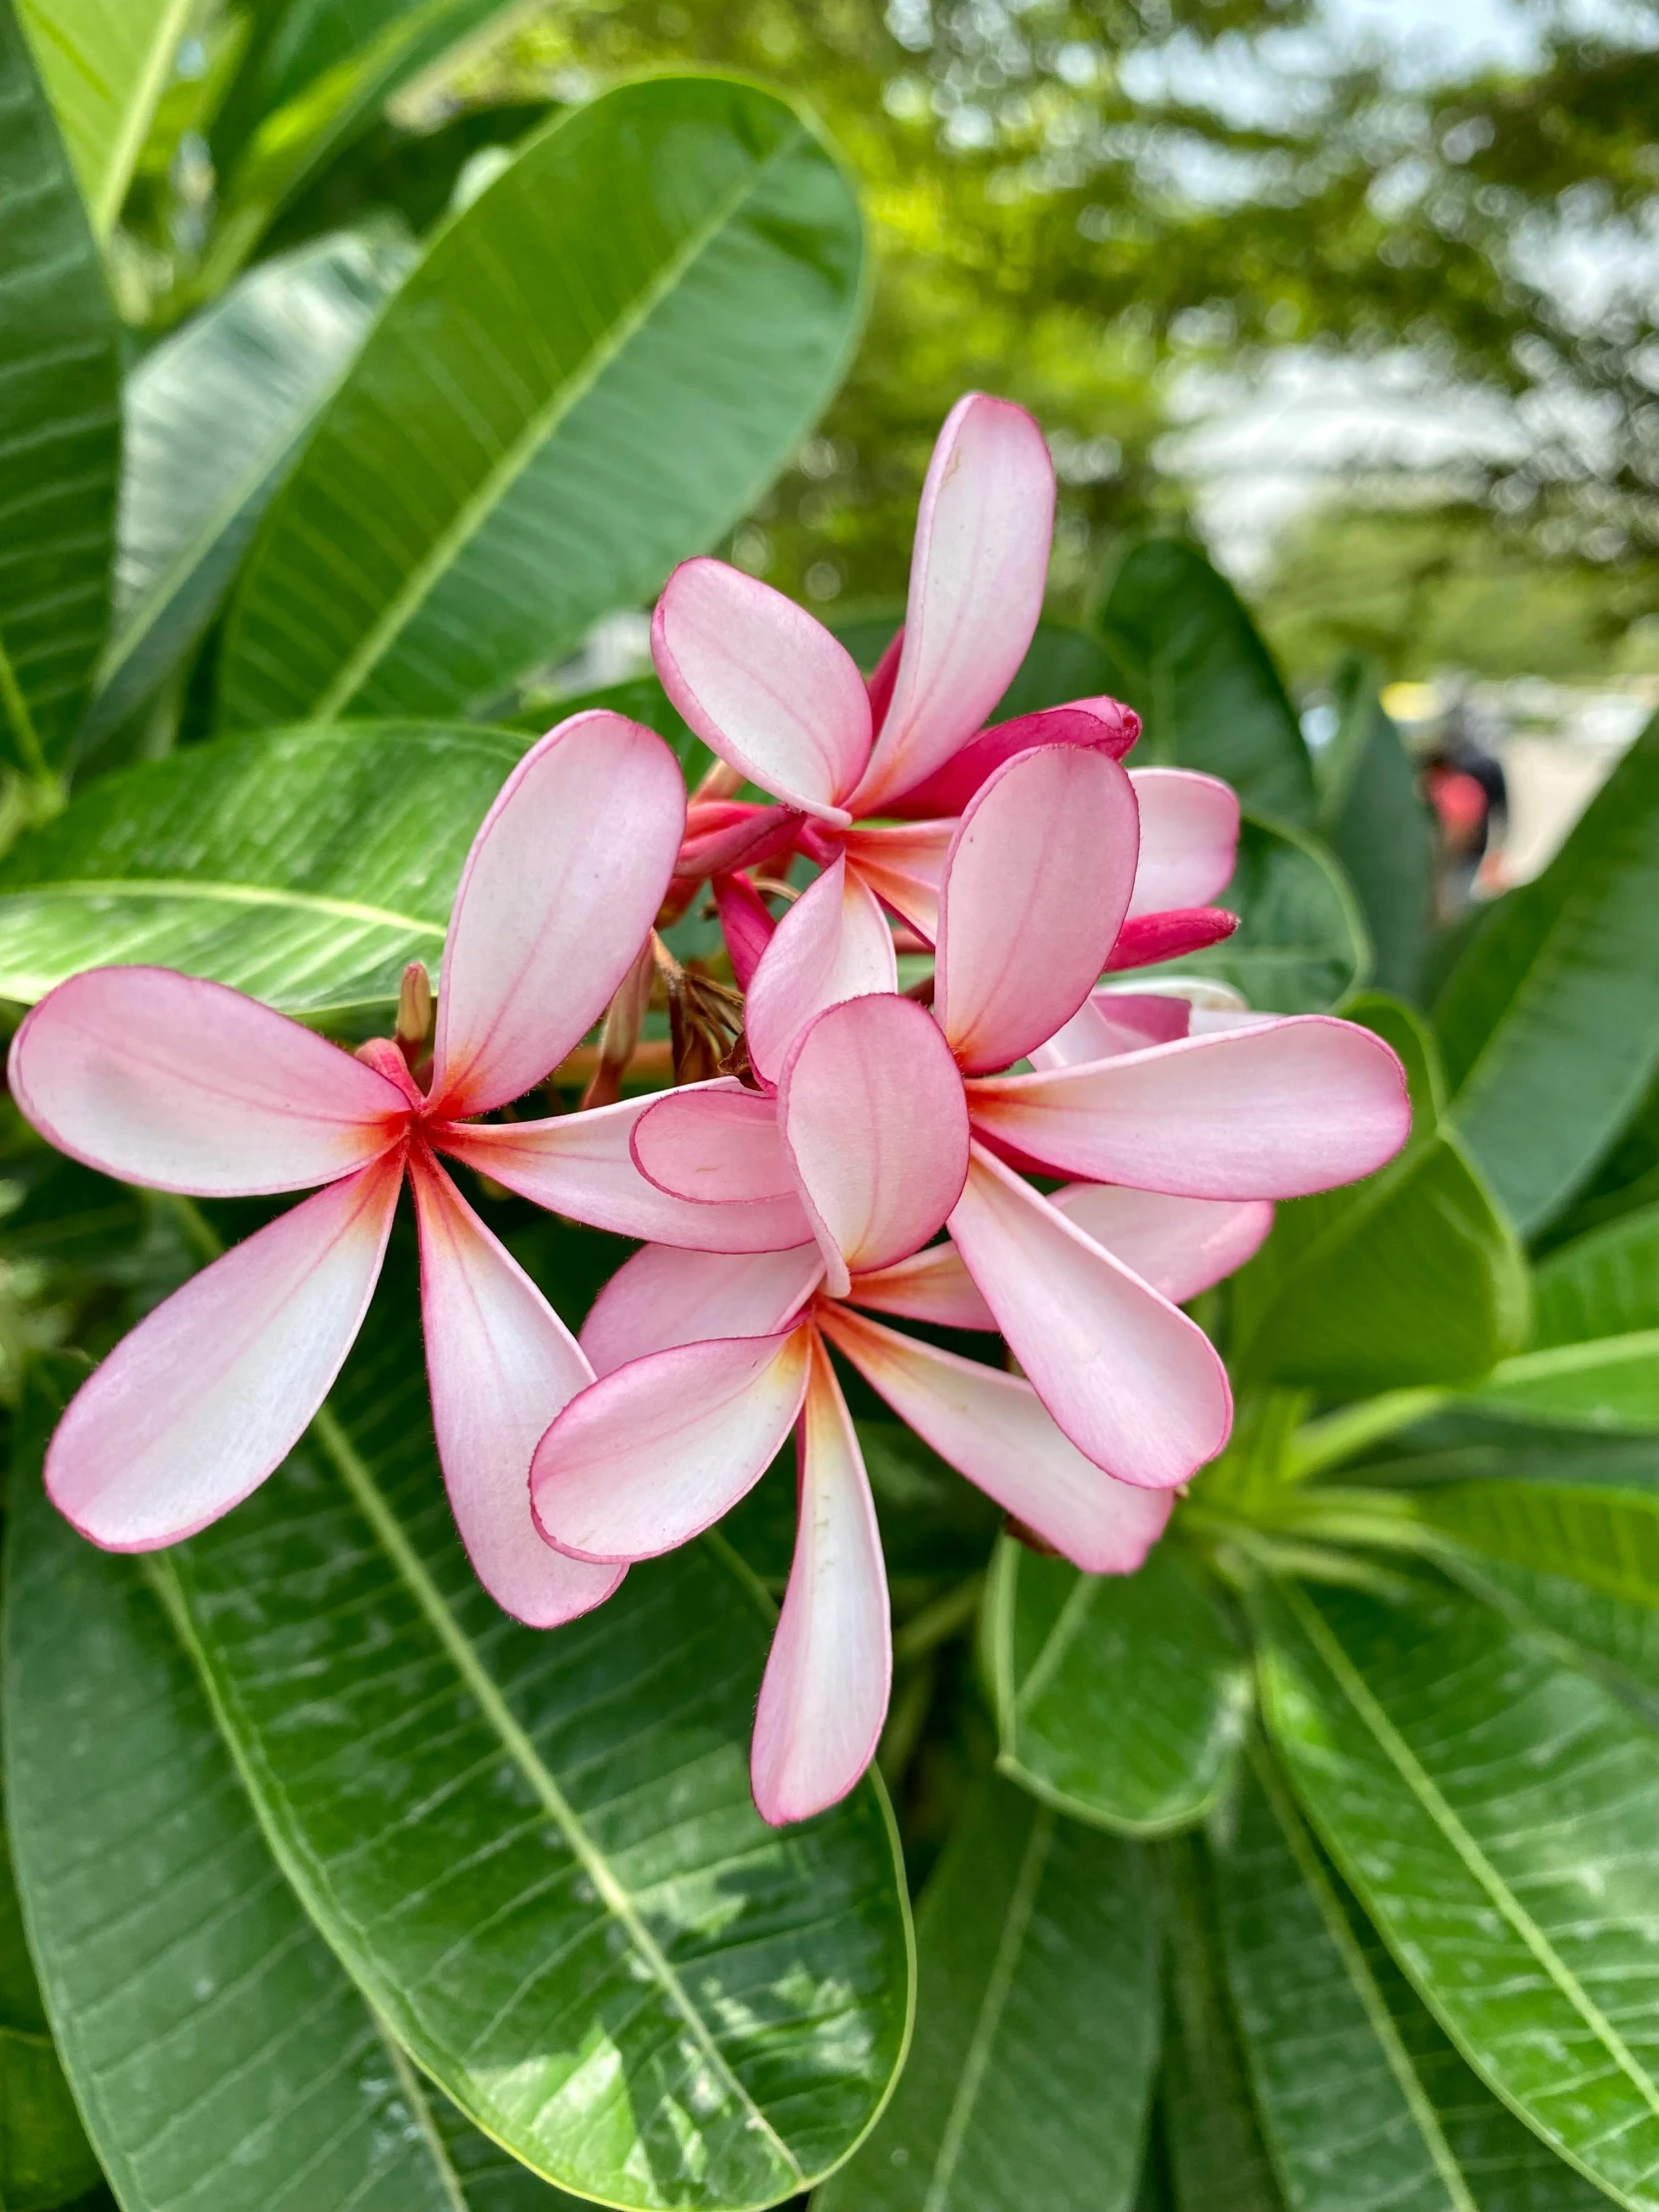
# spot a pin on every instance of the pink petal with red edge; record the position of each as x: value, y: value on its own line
x: 715, y: 1144
x: 662, y: 1448
x: 1151, y: 937
x: 747, y: 923
x: 211, y: 1391
x: 883, y: 676
x: 833, y: 945
x: 932, y: 1286
x: 763, y: 683
x: 662, y: 1297
x: 1107, y: 1023
x: 992, y: 1429
x: 582, y: 1165
x: 903, y: 865
x: 183, y: 1085
x: 823, y: 1698
x: 501, y: 1364
x: 976, y: 588
x: 1178, y: 1245
x: 1105, y: 723
x: 1134, y: 1383
x: 561, y: 886
x: 1034, y: 893
x: 1189, y: 838
x: 723, y: 834
x: 1274, y: 1110
x: 870, y: 1108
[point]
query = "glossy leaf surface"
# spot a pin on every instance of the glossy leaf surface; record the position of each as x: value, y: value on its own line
x: 45, y: 2158
x: 60, y: 429
x: 1549, y: 1020
x: 596, y: 368
x: 105, y: 64
x: 305, y: 866
x: 1593, y: 1358
x: 536, y: 1853
x: 1121, y: 1699
x: 1502, y: 1844
x: 1379, y: 831
x: 1606, y: 1539
x: 1036, y: 2025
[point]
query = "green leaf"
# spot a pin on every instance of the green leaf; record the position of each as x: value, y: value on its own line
x: 1593, y: 1358
x: 1381, y: 831
x: 1186, y: 655
x: 555, y: 409
x: 1121, y: 1699
x: 105, y: 64
x: 214, y: 419
x: 1036, y: 2035
x: 1410, y: 1276
x: 305, y: 866
x: 1362, y: 2097
x: 1549, y: 1020
x: 1607, y: 1539
x: 224, y: 2060
x: 45, y: 2158
x: 537, y: 1854
x: 1494, y: 1810
x: 60, y: 427
x: 1301, y: 943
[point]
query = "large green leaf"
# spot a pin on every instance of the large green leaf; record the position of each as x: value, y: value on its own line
x: 1410, y: 1276
x: 1593, y: 1358
x: 1379, y: 831
x: 214, y: 418
x: 305, y: 866
x: 1606, y: 1539
x: 1186, y: 655
x: 537, y: 1854
x: 1362, y: 2097
x: 224, y: 2060
x: 60, y: 427
x: 1121, y: 1699
x: 1551, y: 1018
x: 1495, y: 1812
x: 1036, y: 2026
x: 598, y: 366
x: 45, y: 2158
x: 105, y: 64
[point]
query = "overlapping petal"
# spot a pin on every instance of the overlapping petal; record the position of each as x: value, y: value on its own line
x: 1189, y: 838
x: 993, y: 1428
x: 1036, y: 890
x: 1102, y: 721
x: 823, y: 1698
x: 932, y: 1286
x: 1134, y: 1383
x: 903, y: 862
x: 211, y: 1393
x: 762, y: 684
x: 1180, y: 1245
x: 1108, y: 1022
x: 561, y: 886
x: 658, y: 1449
x: 662, y: 1297
x: 185, y: 1085
x: 872, y: 1112
x: 976, y: 588
x: 501, y: 1364
x: 714, y: 1141
x: 1272, y: 1110
x: 833, y: 945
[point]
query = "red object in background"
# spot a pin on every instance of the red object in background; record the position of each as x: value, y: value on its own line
x: 1458, y: 801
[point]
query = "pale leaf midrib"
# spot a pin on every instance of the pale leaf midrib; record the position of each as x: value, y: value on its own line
x: 1576, y: 1358
x: 1068, y: 1624
x: 212, y: 891
x: 141, y: 103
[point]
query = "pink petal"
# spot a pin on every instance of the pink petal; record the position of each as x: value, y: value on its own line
x: 1167, y: 937
x: 1108, y: 1022
x: 581, y: 1164
x: 184, y: 1085
x: 883, y: 676
x: 976, y: 588
x: 662, y: 1448
x: 745, y: 922
x: 1274, y: 1110
x: 931, y: 1286
x: 723, y: 834
x: 561, y: 886
x: 823, y: 1698
x: 833, y: 945
x: 903, y: 863
x: 501, y: 1364
x: 1189, y: 838
x: 1178, y: 1245
x: 662, y: 1297
x: 211, y: 1391
x: 1134, y: 1383
x: 1034, y: 892
x: 763, y: 683
x: 1105, y: 723
x: 714, y: 1143
x: 870, y: 1108
x: 992, y: 1429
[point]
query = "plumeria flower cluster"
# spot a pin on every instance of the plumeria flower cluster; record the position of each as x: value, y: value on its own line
x: 875, y: 1157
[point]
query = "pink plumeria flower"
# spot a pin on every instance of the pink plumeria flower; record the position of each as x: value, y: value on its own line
x: 185, y: 1085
